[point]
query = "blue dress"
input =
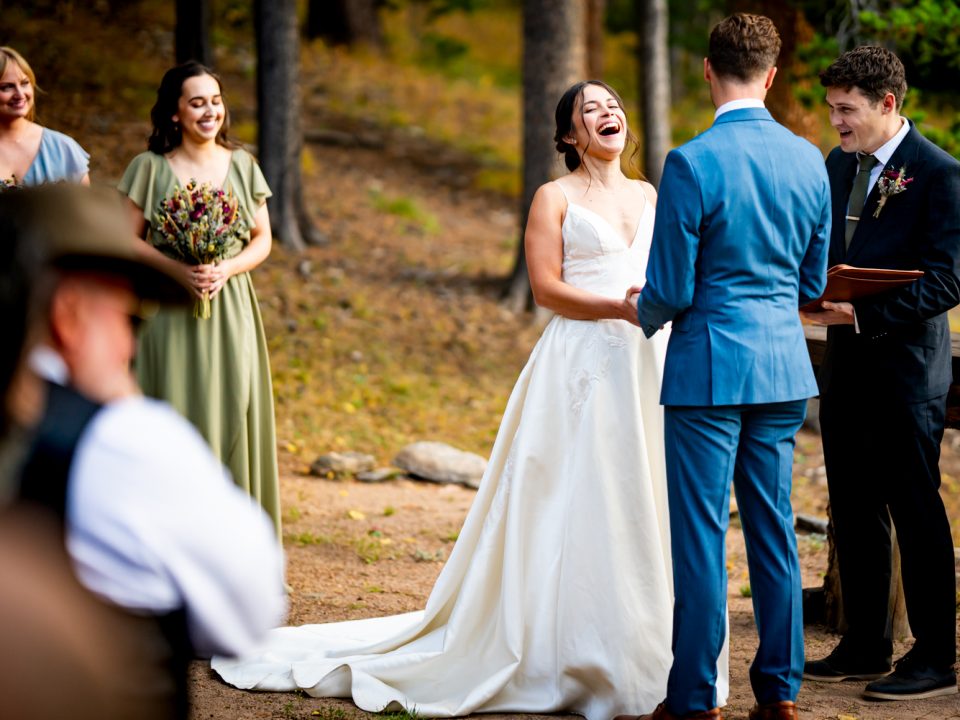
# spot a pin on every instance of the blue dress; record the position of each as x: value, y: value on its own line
x: 60, y: 157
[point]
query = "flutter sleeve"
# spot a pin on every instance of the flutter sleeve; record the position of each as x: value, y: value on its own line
x: 60, y: 158
x: 76, y: 160
x: 251, y: 186
x: 141, y: 184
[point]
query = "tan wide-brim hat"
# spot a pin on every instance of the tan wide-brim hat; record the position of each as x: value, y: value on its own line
x: 86, y: 229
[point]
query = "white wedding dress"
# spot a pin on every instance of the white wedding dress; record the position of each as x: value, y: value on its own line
x: 558, y: 593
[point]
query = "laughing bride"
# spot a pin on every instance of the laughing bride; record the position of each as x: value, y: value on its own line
x: 558, y: 593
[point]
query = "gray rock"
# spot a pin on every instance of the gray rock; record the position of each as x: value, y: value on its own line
x: 378, y: 475
x: 345, y: 463
x: 439, y: 462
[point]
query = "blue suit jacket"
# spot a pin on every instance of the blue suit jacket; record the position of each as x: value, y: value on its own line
x: 740, y: 242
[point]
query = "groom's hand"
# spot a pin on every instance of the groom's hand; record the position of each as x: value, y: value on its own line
x: 834, y: 313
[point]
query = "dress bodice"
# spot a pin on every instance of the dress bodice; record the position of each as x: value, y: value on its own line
x: 596, y: 256
x: 59, y: 158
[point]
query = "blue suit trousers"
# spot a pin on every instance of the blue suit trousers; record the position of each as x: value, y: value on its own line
x: 707, y: 448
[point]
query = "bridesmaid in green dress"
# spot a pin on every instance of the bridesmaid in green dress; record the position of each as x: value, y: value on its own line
x: 215, y: 371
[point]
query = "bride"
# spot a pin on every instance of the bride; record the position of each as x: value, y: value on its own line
x: 558, y: 593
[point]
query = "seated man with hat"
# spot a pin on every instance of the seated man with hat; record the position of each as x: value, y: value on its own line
x: 151, y: 522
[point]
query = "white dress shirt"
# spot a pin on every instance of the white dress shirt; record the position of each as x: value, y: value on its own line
x: 738, y: 105
x: 884, y: 153
x: 154, y: 523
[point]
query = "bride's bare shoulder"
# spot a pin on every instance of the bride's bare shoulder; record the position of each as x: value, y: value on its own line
x: 648, y: 190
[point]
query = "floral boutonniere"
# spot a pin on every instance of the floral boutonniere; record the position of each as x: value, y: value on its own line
x: 891, y: 182
x: 9, y: 183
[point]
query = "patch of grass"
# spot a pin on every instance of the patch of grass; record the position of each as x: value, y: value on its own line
x: 405, y: 714
x: 389, y: 510
x: 375, y: 589
x: 291, y: 514
x: 420, y: 555
x: 308, y: 538
x: 329, y: 713
x: 369, y: 549
x: 407, y: 208
x: 745, y: 591
x: 451, y: 537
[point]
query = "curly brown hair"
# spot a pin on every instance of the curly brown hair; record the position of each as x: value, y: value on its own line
x: 743, y: 46
x: 873, y: 69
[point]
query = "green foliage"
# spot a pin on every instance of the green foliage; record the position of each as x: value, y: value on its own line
x: 438, y: 8
x: 745, y: 591
x: 440, y: 51
x: 926, y: 31
x: 947, y: 138
x: 816, y: 56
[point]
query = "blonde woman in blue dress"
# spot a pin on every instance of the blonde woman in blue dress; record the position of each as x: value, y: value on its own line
x: 31, y: 154
x: 558, y: 593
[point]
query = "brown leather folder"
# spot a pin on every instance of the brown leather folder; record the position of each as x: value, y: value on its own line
x: 846, y: 283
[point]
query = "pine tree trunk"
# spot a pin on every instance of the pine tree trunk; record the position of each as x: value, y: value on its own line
x: 192, y: 33
x: 596, y: 12
x: 782, y: 100
x: 554, y: 57
x: 345, y: 22
x: 278, y: 111
x: 654, y: 86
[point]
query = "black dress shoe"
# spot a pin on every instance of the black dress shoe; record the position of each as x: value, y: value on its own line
x: 913, y: 679
x: 843, y: 664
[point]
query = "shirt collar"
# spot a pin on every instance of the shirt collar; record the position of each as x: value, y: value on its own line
x: 49, y: 365
x: 738, y: 105
x: 886, y: 151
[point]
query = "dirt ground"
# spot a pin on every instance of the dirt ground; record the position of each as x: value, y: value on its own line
x: 356, y: 550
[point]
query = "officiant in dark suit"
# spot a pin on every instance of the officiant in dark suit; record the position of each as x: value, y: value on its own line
x: 884, y: 381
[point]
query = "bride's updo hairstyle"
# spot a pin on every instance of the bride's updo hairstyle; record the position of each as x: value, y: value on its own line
x: 167, y: 134
x: 572, y: 101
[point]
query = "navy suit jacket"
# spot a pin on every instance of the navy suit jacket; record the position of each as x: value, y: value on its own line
x: 903, y: 348
x: 739, y: 243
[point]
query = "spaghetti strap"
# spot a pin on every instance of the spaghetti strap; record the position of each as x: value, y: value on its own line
x: 560, y: 185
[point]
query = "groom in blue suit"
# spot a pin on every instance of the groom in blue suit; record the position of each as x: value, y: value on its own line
x: 740, y: 243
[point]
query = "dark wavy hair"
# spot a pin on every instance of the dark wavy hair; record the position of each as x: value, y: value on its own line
x: 167, y: 134
x: 873, y: 69
x: 571, y: 100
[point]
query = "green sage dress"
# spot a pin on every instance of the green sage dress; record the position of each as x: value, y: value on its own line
x: 215, y: 371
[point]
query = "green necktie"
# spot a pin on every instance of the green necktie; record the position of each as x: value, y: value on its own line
x: 858, y: 195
